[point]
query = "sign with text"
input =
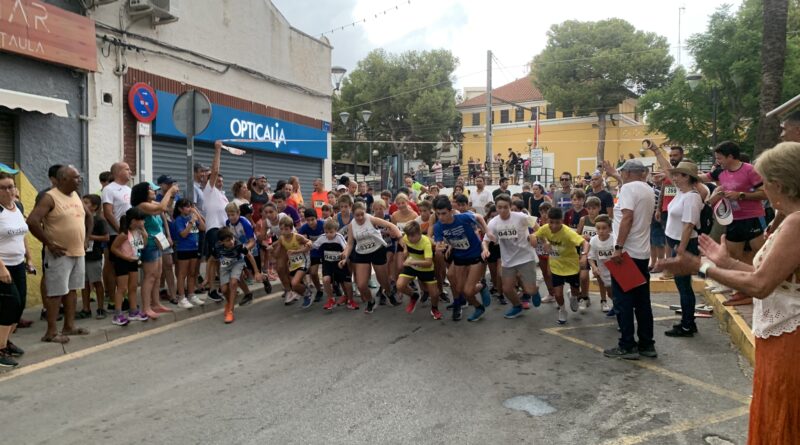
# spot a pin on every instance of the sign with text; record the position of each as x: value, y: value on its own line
x: 42, y: 31
x: 537, y: 161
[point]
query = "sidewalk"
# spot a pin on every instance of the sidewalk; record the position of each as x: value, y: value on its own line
x: 102, y: 331
x: 737, y: 321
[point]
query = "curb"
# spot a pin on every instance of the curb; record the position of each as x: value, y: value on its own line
x: 658, y: 286
x: 732, y: 322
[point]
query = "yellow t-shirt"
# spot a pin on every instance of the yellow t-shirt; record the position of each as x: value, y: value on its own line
x: 564, y: 258
x: 296, y: 260
x: 421, y: 250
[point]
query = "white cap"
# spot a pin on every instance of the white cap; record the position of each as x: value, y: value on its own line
x: 723, y: 212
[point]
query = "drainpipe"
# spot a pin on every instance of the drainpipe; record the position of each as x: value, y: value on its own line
x: 84, y: 120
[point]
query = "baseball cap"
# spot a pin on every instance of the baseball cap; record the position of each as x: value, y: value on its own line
x: 723, y: 212
x: 153, y: 186
x: 165, y: 179
x: 633, y: 165
x: 6, y: 169
x: 261, y: 177
x: 341, y: 187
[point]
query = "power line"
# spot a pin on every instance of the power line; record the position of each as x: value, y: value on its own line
x: 364, y: 20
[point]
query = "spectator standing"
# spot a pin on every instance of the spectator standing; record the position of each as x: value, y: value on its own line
x: 258, y: 195
x: 598, y: 189
x: 318, y: 197
x: 297, y: 194
x: 481, y: 197
x: 437, y: 171
x: 562, y: 197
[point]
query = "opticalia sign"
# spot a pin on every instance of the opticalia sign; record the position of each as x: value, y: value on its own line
x: 272, y: 135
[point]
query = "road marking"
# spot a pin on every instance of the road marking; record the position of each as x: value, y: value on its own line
x: 680, y: 427
x: 608, y: 323
x: 118, y: 342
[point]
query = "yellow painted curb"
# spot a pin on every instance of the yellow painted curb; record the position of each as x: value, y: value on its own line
x: 740, y: 332
x: 659, y: 286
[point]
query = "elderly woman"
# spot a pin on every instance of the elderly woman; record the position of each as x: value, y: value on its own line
x: 774, y: 281
x: 15, y: 262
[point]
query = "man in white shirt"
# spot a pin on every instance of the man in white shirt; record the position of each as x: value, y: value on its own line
x: 632, y: 217
x: 481, y: 197
x: 214, y: 201
x: 116, y: 199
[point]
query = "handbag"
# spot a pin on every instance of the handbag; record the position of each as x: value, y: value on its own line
x: 161, y: 241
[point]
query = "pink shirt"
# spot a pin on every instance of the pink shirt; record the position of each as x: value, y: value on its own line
x: 745, y: 179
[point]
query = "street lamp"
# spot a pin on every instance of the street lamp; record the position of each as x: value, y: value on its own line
x: 365, y: 115
x: 372, y: 153
x: 337, y: 73
x: 694, y: 80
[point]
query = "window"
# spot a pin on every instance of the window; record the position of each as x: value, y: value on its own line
x: 476, y: 119
x: 551, y: 112
x: 519, y: 114
x: 504, y: 117
x: 534, y: 113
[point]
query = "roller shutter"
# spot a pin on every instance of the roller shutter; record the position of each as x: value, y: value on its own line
x: 277, y: 167
x: 7, y: 139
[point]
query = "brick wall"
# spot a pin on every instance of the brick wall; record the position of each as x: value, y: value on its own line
x: 173, y: 86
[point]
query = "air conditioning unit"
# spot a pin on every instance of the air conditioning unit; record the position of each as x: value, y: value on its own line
x: 161, y: 11
x: 103, y: 2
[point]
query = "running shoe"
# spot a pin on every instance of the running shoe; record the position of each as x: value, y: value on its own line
x: 246, y: 299
x: 573, y: 303
x: 81, y: 315
x: 215, y: 296
x: 486, y: 297
x: 562, y: 315
x: 352, y: 305
x: 137, y: 316
x: 514, y: 312
x: 611, y: 313
x: 604, y: 306
x: 318, y: 296
x: 424, y: 297
x: 548, y: 299
x: 120, y: 320
x: 649, y: 351
x: 393, y: 300
x: 290, y: 298
x: 525, y: 303
x: 381, y: 298
x: 6, y: 361
x: 679, y: 331
x: 185, y: 304
x: 444, y: 297
x: 329, y: 304
x: 412, y: 304
x: 101, y: 314
x: 456, y: 312
x: 370, y: 307
x: 13, y: 350
x: 693, y: 328
x: 267, y: 286
x: 583, y: 304
x: 617, y: 352
x: 502, y: 300
x: 477, y: 314
x: 197, y: 301
x: 228, y: 317
x: 341, y: 301
x: 537, y: 299
x: 436, y: 314
x: 306, y: 302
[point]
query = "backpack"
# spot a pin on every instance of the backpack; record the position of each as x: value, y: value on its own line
x: 706, y: 219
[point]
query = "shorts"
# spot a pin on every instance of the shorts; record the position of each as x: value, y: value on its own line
x: 525, y: 271
x: 201, y: 243
x: 424, y: 276
x: 64, y: 274
x: 337, y: 274
x: 376, y: 258
x: 150, y: 254
x: 123, y: 267
x: 494, y: 253
x: 467, y: 261
x: 184, y: 255
x: 13, y: 295
x: 316, y: 261
x: 209, y: 241
x: 657, y: 236
x: 572, y: 280
x: 744, y: 230
x: 94, y: 271
x: 257, y: 260
x: 294, y: 272
x: 226, y: 273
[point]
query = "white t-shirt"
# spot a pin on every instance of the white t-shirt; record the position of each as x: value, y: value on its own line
x: 640, y: 198
x: 215, y: 202
x: 480, y: 199
x: 119, y: 196
x: 601, y: 251
x: 684, y: 208
x: 12, y: 236
x: 512, y: 236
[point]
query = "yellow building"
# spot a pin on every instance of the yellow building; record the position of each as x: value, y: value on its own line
x: 569, y: 142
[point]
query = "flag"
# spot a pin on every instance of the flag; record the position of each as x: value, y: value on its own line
x: 537, y: 129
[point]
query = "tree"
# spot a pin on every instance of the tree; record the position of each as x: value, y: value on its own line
x: 411, y: 98
x: 594, y: 66
x: 773, y: 58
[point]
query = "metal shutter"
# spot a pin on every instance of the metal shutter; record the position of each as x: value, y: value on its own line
x: 278, y: 166
x: 7, y: 139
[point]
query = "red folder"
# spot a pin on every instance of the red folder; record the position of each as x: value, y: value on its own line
x: 626, y: 273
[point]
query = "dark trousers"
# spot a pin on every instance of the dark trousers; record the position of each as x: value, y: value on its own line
x: 635, y: 302
x: 684, y: 284
x: 13, y: 296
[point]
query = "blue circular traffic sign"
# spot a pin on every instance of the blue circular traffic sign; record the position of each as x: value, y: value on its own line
x: 143, y: 102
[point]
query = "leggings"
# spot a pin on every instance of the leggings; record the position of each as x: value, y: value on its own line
x: 13, y: 296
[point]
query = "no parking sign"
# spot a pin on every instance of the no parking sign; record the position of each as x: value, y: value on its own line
x: 143, y: 102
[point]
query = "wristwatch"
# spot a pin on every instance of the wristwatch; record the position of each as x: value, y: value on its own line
x: 704, y: 269
x: 617, y: 247
x: 741, y: 196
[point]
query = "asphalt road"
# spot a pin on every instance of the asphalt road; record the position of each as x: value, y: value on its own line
x: 280, y: 375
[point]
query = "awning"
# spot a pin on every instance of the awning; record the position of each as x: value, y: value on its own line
x: 32, y: 102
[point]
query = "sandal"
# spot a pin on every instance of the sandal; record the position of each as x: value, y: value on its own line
x: 24, y: 323
x: 77, y: 331
x: 58, y: 338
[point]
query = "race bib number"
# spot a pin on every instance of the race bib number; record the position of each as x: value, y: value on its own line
x: 604, y: 255
x: 589, y: 232
x: 297, y: 261
x: 318, y: 204
x: 509, y: 233
x: 366, y: 246
x: 554, y: 251
x: 670, y: 190
x: 332, y: 256
x: 458, y: 243
x: 226, y: 262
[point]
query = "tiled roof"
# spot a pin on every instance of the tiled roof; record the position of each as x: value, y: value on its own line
x: 520, y: 90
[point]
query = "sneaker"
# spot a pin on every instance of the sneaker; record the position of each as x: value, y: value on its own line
x: 425, y: 297
x: 101, y: 314
x: 185, y: 304
x: 604, y: 306
x: 617, y: 352
x: 318, y: 296
x: 341, y: 301
x: 537, y: 299
x: 548, y: 299
x: 329, y: 304
x: 515, y: 312
x: 352, y: 305
x: 215, y: 296
x: 583, y: 304
x: 137, y: 316
x: 524, y: 304
x: 679, y: 331
x: 477, y: 314
x: 82, y: 315
x: 246, y: 299
x: 649, y: 352
x: 444, y: 297
x: 6, y: 361
x: 562, y: 315
x: 393, y: 300
x: 436, y: 314
x: 412, y: 304
x: 456, y: 312
x: 196, y: 301
x: 573, y: 303
x: 611, y: 313
x: 306, y: 302
x: 267, y: 286
x: 370, y: 307
x: 120, y: 320
x: 693, y: 328
x: 289, y: 298
x: 381, y: 298
x: 13, y: 350
x: 486, y: 297
x: 228, y: 317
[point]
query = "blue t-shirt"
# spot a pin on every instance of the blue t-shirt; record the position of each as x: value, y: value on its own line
x: 312, y: 235
x: 243, y: 231
x: 191, y: 242
x: 292, y: 212
x: 460, y: 235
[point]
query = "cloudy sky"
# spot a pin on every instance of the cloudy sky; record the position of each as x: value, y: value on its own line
x: 515, y: 30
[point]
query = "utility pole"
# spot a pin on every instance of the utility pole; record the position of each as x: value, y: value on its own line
x: 680, y: 45
x: 489, y: 107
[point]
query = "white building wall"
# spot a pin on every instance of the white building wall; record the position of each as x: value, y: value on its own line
x: 250, y: 33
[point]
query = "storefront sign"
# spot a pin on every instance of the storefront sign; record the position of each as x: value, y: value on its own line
x: 264, y: 133
x: 45, y: 32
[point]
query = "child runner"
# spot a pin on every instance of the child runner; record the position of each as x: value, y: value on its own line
x: 272, y: 254
x: 572, y: 217
x: 379, y: 211
x: 243, y: 231
x: 418, y: 264
x: 368, y: 250
x: 601, y: 248
x: 542, y: 251
x: 296, y: 248
x: 587, y: 230
x: 334, y: 270
x: 327, y: 212
x: 565, y: 263
x: 231, y: 254
x: 510, y: 231
x: 402, y: 216
x: 188, y: 225
x: 312, y: 230
x: 94, y: 260
x: 493, y: 260
x: 125, y: 259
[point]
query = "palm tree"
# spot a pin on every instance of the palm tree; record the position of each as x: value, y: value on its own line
x: 773, y: 58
